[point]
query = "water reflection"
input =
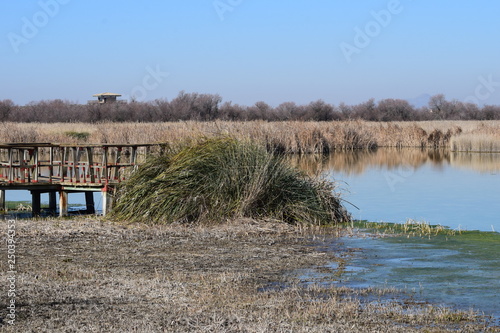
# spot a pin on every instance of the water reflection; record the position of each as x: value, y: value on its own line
x: 357, y: 162
x: 458, y: 190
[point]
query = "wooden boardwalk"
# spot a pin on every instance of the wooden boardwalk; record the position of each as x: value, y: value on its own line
x: 61, y: 168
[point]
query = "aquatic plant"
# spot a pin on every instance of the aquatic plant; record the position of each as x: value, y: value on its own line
x: 81, y: 136
x: 216, y: 179
x: 410, y: 228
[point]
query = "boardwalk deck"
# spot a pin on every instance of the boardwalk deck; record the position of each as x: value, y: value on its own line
x: 61, y: 168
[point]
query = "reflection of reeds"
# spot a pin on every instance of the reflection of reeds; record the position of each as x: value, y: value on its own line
x: 287, y: 137
x: 483, y: 162
x: 356, y: 162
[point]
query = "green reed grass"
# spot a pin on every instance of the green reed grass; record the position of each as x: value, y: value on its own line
x: 222, y: 178
x: 409, y: 228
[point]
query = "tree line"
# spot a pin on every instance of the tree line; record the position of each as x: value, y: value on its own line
x: 209, y: 107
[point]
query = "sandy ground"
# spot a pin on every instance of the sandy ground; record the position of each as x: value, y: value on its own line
x: 88, y: 275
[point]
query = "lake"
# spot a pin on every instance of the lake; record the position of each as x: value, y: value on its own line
x: 76, y: 201
x: 458, y: 190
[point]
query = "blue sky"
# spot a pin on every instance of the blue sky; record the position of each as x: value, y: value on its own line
x: 250, y: 50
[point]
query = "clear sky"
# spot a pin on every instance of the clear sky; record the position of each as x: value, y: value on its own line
x: 250, y: 50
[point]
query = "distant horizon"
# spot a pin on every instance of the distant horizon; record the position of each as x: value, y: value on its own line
x: 419, y: 101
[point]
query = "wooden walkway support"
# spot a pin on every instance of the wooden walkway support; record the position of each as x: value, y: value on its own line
x: 58, y: 168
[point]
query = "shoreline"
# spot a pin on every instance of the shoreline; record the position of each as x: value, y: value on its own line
x: 118, y: 277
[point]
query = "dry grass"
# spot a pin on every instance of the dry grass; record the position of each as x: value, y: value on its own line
x: 288, y: 136
x: 94, y: 276
x: 484, y: 138
x: 218, y: 179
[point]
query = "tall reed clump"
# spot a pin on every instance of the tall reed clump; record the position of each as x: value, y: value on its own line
x: 221, y: 178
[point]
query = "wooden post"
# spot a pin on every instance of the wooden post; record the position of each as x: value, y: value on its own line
x: 63, y: 203
x: 36, y: 163
x: 116, y: 173
x: 133, y: 155
x: 36, y: 203
x: 51, y: 166
x: 90, y: 159
x: 105, y: 164
x: 89, y: 202
x: 63, y: 164
x: 52, y: 202
x: 107, y: 200
x: 2, y: 201
x: 22, y: 165
x: 76, y: 164
x: 11, y: 162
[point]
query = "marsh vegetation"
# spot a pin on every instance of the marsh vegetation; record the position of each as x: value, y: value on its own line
x: 217, y: 179
x: 293, y: 137
x: 213, y: 253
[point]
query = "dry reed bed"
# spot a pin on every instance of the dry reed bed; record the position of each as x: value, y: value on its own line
x: 288, y: 136
x: 94, y: 276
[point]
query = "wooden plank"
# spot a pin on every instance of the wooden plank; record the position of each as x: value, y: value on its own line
x: 90, y: 159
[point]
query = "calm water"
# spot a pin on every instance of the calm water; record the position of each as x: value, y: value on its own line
x: 459, y: 190
x: 461, y: 273
x: 74, y: 199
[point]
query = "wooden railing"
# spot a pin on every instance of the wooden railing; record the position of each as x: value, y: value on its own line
x: 91, y: 165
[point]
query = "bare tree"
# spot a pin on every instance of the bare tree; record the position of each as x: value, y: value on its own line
x: 320, y: 111
x: 366, y: 110
x: 6, y: 108
x: 233, y: 112
x: 438, y: 106
x: 394, y: 110
x: 260, y: 110
x: 346, y: 111
x: 208, y: 107
x: 490, y: 112
x: 286, y: 110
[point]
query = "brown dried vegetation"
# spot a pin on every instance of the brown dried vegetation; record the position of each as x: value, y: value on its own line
x: 294, y: 137
x: 94, y: 276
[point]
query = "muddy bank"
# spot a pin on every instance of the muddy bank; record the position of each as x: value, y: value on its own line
x: 88, y: 275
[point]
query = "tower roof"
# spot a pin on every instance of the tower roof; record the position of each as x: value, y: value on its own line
x: 106, y: 94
